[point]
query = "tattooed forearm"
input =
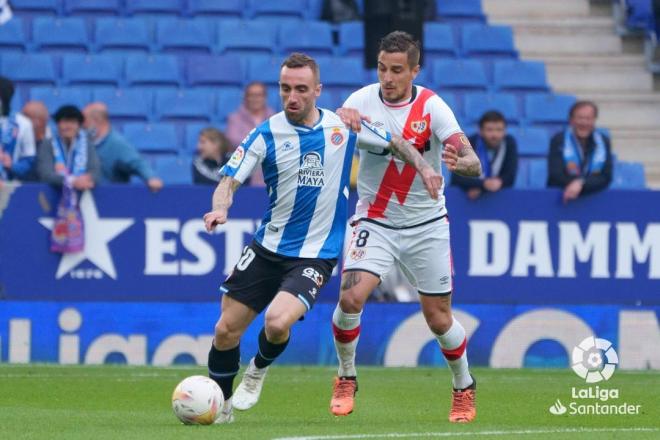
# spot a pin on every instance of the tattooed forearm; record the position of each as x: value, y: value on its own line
x: 223, y: 196
x: 407, y: 153
x: 350, y: 279
x: 468, y: 162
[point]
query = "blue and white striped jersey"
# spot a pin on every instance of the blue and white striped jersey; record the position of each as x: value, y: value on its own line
x: 307, y: 172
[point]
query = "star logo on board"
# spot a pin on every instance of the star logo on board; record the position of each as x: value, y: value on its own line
x: 98, y: 234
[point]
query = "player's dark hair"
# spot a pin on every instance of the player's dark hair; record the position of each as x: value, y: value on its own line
x: 297, y: 60
x: 399, y: 41
x: 491, y: 116
x: 583, y: 103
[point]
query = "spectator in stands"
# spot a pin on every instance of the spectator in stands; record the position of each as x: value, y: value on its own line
x: 580, y: 159
x: 251, y: 113
x: 498, y: 153
x: 119, y: 159
x: 37, y: 112
x: 70, y: 155
x: 213, y: 151
x: 336, y: 11
x: 17, y: 146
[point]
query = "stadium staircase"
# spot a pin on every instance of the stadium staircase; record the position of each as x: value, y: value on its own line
x: 584, y: 56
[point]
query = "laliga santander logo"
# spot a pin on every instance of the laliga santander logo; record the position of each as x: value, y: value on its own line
x: 594, y: 359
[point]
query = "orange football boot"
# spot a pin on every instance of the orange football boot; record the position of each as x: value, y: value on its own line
x: 463, y: 404
x: 343, y: 394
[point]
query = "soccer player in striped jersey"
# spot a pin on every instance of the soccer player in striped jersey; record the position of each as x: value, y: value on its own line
x: 395, y: 223
x: 306, y: 154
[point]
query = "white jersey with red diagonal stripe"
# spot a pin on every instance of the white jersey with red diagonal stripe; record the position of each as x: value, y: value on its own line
x: 389, y: 190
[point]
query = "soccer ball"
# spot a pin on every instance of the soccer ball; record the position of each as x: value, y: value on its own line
x: 197, y: 400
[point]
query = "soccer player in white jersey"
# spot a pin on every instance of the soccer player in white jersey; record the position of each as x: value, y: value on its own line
x: 397, y: 223
x: 306, y: 154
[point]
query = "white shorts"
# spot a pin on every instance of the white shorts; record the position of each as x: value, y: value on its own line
x: 422, y: 253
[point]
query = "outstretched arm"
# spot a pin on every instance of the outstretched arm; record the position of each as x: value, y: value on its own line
x: 405, y: 151
x: 461, y: 159
x: 223, y: 198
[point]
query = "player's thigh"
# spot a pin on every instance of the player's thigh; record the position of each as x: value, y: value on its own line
x: 356, y: 286
x: 437, y: 312
x: 426, y: 258
x: 234, y: 319
x: 304, y: 278
x: 285, y: 310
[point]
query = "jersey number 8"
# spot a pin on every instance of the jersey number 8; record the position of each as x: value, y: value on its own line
x: 362, y: 239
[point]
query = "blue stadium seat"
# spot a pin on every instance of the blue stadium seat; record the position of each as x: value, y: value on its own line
x: 538, y: 173
x: 12, y: 36
x: 439, y: 41
x: 184, y: 35
x: 157, y: 70
x: 196, y: 105
x: 547, y: 108
x: 279, y: 9
x: 463, y: 75
x: 69, y: 34
x: 214, y: 70
x: 91, y: 69
x: 192, y: 130
x: 532, y: 141
x: 476, y: 104
x: 126, y: 104
x: 639, y: 14
x: 628, y: 175
x: 122, y: 34
x: 54, y: 98
x: 520, y: 75
x: 92, y: 7
x: 215, y: 8
x: 351, y: 38
x: 311, y: 37
x: 264, y: 69
x: 522, y: 174
x: 154, y: 7
x: 176, y: 170
x: 28, y: 68
x: 341, y: 73
x: 37, y: 7
x: 152, y: 138
x: 460, y: 10
x: 229, y: 99
x: 274, y: 100
x: 246, y: 37
x: 487, y: 40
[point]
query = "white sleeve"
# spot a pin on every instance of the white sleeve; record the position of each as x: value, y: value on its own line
x: 443, y: 121
x: 353, y: 101
x: 25, y: 144
x: 372, y: 138
x: 246, y: 157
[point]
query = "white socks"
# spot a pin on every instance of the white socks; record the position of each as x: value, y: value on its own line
x: 453, y: 345
x: 346, y: 329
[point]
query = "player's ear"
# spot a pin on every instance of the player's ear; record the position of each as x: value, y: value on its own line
x: 317, y: 90
x: 415, y: 71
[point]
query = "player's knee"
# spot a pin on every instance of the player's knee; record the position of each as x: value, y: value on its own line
x: 277, y: 328
x: 439, y: 321
x: 225, y: 336
x: 350, y: 301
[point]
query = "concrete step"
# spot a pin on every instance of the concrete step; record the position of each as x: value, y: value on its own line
x: 630, y: 115
x: 589, y: 59
x: 636, y: 144
x: 535, y: 8
x: 583, y: 77
x: 532, y: 44
x: 571, y: 25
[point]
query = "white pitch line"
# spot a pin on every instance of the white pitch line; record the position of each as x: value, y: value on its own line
x: 465, y: 434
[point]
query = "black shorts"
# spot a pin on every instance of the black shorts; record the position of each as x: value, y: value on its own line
x: 260, y: 274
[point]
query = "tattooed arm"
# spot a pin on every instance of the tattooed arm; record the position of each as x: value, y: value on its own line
x: 223, y: 197
x: 409, y: 154
x: 462, y: 159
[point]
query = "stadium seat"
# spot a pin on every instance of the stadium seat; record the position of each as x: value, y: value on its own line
x: 351, y: 38
x: 63, y: 34
x: 12, y: 36
x: 126, y: 105
x: 480, y: 40
x: 476, y: 104
x: 152, y: 138
x: 192, y: 130
x: 215, y: 8
x: 37, y: 7
x: 214, y: 70
x: 121, y: 34
x: 28, y: 68
x: 311, y: 37
x: 184, y: 35
x: 438, y: 41
x: 196, y: 105
x: 520, y: 75
x: 154, y: 7
x: 264, y: 69
x: 547, y: 108
x: 628, y: 175
x: 531, y: 141
x: 246, y: 37
x: 279, y: 9
x: 54, y: 98
x: 92, y: 69
x: 459, y: 75
x: 229, y: 99
x: 522, y: 175
x: 274, y: 100
x: 92, y: 7
x: 538, y: 173
x: 157, y: 70
x: 176, y: 170
x: 341, y: 73
x: 460, y: 10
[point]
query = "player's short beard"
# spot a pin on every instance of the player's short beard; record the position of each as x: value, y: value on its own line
x: 300, y: 117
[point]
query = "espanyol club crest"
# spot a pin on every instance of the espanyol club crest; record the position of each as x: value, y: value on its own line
x: 336, y: 137
x: 418, y: 126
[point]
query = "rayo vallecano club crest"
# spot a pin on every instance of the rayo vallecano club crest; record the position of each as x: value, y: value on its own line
x: 418, y: 126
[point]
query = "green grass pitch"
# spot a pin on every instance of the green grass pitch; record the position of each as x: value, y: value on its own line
x: 119, y: 402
